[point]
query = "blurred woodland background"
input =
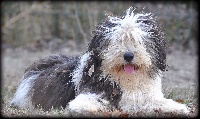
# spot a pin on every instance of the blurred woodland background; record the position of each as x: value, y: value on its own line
x: 44, y: 24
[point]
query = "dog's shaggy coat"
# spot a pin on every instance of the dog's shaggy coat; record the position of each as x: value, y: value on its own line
x: 122, y: 70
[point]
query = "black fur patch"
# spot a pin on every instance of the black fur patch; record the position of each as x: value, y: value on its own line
x: 53, y: 87
x: 99, y: 43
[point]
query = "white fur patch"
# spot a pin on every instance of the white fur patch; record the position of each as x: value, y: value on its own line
x: 87, y: 102
x: 22, y: 97
x: 91, y: 70
x: 129, y: 27
x: 78, y: 72
x: 142, y: 95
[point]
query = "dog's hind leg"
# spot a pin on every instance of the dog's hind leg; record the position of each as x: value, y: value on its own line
x: 46, y: 84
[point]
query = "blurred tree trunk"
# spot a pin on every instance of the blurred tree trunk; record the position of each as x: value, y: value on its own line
x: 55, y: 21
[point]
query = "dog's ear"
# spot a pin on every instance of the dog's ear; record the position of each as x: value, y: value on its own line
x: 98, y: 44
x: 100, y: 40
x: 156, y: 44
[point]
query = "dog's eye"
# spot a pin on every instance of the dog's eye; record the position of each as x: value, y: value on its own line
x: 132, y: 39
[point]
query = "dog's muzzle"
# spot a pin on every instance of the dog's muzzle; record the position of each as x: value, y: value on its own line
x: 129, y: 67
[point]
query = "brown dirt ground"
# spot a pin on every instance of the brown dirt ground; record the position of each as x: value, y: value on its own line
x: 180, y: 82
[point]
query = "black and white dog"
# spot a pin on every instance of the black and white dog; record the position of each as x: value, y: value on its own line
x: 122, y: 69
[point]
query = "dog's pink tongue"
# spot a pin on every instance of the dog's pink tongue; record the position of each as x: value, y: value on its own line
x: 128, y: 68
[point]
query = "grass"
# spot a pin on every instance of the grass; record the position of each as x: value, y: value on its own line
x: 17, y: 59
x: 186, y: 96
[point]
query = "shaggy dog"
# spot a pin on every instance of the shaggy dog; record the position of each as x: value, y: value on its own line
x: 121, y: 70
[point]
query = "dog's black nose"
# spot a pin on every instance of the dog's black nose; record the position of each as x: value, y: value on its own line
x: 128, y: 56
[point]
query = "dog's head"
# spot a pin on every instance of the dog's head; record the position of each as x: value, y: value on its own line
x: 130, y: 45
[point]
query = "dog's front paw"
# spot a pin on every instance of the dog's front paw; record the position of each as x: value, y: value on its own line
x: 87, y: 105
x: 171, y: 106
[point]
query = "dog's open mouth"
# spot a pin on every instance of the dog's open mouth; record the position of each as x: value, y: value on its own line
x: 130, y: 68
x: 127, y: 68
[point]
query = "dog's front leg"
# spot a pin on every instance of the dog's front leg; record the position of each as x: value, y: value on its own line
x: 170, y: 106
x: 88, y: 104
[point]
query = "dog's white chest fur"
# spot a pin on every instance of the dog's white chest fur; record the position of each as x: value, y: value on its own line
x: 141, y: 97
